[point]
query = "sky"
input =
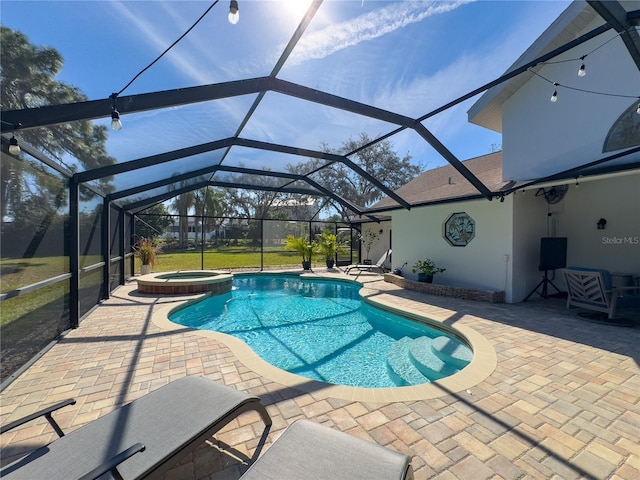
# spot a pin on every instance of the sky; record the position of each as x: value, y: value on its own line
x: 407, y: 57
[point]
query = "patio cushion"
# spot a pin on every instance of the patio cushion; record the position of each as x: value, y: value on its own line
x: 606, y: 276
x: 311, y: 451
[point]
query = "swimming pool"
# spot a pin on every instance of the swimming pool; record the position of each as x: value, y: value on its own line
x: 323, y: 331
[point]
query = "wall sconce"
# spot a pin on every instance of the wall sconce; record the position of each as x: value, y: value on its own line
x: 601, y: 223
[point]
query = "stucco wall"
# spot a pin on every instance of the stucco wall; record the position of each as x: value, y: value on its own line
x: 418, y: 234
x: 515, y: 227
x: 617, y: 247
x: 542, y: 138
x: 383, y: 230
x: 531, y: 222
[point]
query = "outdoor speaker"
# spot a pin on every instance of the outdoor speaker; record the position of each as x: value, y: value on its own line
x: 553, y: 253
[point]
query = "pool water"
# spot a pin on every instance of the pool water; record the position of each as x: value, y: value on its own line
x: 322, y: 330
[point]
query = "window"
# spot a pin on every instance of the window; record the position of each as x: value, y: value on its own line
x: 625, y: 132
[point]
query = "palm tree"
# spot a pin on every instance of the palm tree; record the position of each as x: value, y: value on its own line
x: 182, y: 204
x: 209, y: 206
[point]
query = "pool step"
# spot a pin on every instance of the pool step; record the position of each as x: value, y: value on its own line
x: 427, y: 362
x: 399, y: 361
x: 452, y: 351
x: 424, y: 359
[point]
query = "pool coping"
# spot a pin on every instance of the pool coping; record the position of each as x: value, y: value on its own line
x: 483, y: 364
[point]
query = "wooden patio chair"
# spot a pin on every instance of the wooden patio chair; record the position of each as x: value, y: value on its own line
x: 591, y: 289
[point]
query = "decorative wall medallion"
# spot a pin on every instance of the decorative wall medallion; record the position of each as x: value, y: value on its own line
x: 459, y: 229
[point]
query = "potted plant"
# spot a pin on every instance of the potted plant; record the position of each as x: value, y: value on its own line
x: 367, y: 240
x: 328, y: 246
x: 304, y: 247
x: 146, y: 251
x: 426, y: 270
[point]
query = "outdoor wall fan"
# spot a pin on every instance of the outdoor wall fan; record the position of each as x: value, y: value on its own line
x: 553, y: 194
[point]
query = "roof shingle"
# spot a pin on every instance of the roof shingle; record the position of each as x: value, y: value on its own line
x: 447, y: 184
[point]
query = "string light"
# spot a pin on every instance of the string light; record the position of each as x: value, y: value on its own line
x: 116, y: 124
x: 582, y: 71
x: 234, y: 12
x: 14, y: 147
x: 554, y: 96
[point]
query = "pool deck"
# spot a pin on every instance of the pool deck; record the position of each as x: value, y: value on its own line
x: 562, y: 400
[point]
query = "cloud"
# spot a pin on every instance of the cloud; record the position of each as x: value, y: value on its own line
x: 383, y: 21
x: 156, y: 36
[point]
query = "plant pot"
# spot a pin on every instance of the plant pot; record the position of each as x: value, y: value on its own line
x: 330, y: 263
x: 306, y: 265
x: 145, y: 269
x: 423, y: 277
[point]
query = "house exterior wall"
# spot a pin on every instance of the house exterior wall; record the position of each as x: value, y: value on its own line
x: 505, y: 253
x: 617, y: 247
x: 383, y: 229
x: 531, y: 222
x: 484, y: 263
x: 541, y: 138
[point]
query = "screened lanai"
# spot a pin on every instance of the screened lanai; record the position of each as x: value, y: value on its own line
x: 268, y: 105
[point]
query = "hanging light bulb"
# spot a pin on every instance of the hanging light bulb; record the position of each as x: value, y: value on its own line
x: 234, y: 12
x: 116, y: 124
x: 554, y: 97
x: 582, y: 71
x: 14, y: 148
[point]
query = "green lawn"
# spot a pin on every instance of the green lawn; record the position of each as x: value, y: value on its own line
x: 17, y: 273
x: 225, y: 258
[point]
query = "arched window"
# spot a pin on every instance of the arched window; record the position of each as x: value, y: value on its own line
x: 625, y: 131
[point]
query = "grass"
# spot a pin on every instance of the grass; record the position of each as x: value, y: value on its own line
x: 20, y: 272
x: 224, y: 258
x: 17, y: 273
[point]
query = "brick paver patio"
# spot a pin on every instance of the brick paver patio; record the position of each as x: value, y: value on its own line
x: 563, y: 401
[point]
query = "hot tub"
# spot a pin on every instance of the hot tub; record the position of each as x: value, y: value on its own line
x: 185, y: 281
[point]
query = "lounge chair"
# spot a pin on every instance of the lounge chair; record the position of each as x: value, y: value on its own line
x: 144, y: 438
x: 378, y: 266
x: 311, y: 451
x: 591, y: 289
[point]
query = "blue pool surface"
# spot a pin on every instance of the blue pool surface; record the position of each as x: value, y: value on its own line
x: 322, y: 330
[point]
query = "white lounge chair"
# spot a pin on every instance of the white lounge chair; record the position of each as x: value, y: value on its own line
x: 378, y: 266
